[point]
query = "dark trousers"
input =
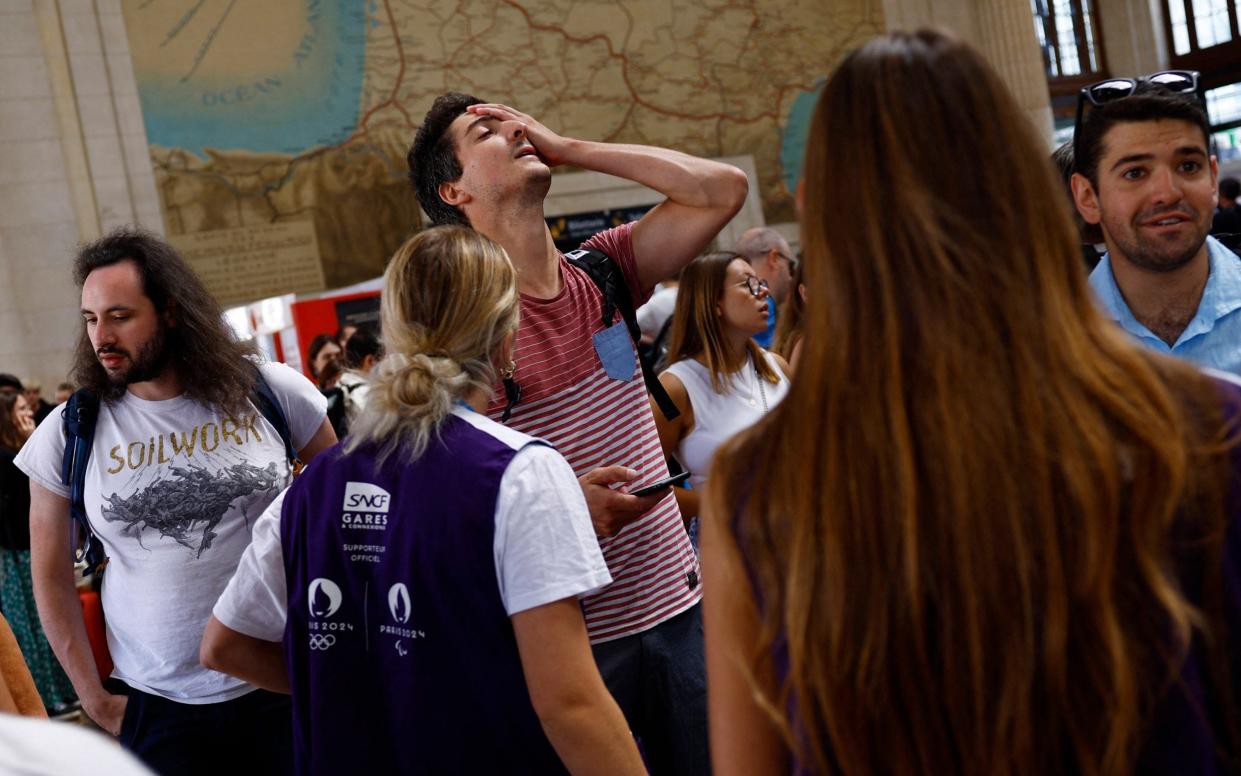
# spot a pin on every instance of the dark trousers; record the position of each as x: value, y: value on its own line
x: 658, y: 678
x: 250, y: 734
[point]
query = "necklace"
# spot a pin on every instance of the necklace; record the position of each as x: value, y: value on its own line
x: 762, y: 390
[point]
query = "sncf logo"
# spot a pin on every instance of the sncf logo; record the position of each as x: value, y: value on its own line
x: 365, y: 497
x: 398, y: 602
x: 324, y: 597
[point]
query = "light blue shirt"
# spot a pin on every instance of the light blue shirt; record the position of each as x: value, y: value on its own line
x: 765, y: 338
x: 1213, y: 336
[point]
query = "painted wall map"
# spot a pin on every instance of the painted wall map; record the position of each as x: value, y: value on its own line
x: 302, y: 110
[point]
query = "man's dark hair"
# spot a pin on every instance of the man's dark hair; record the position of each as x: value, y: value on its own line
x: 1229, y: 188
x: 1149, y: 102
x: 213, y: 366
x: 432, y: 158
x: 362, y: 343
x: 10, y: 382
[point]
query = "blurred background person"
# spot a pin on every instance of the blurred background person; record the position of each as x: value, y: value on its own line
x: 344, y: 334
x: 1227, y: 219
x: 16, y: 589
x: 771, y: 258
x: 34, y: 400
x: 63, y: 392
x: 719, y: 378
x: 986, y: 532
x: 1091, y: 235
x: 655, y: 320
x: 10, y: 384
x: 325, y: 356
x: 363, y: 352
x: 789, y: 331
x: 486, y: 548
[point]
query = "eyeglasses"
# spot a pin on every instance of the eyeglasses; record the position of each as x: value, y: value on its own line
x: 792, y: 260
x: 1102, y: 92
x: 755, y: 284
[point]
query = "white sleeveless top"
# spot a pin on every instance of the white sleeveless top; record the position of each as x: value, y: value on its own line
x: 717, y: 416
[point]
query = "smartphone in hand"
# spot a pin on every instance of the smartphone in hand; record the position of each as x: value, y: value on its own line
x: 663, y: 484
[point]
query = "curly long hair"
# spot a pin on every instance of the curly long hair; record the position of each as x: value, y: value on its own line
x: 983, y: 578
x: 214, y: 367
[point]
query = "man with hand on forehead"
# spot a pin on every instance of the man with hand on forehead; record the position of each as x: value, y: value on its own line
x: 1146, y: 176
x: 489, y: 166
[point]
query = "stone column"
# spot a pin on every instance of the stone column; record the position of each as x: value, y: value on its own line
x: 74, y: 162
x: 1133, y: 37
x: 1003, y: 30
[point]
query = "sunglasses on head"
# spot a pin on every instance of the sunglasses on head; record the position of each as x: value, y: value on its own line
x: 1112, y: 89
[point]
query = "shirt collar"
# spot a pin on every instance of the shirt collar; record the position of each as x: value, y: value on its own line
x: 1221, y: 296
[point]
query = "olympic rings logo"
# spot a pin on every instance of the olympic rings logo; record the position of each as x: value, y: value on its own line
x: 321, y: 641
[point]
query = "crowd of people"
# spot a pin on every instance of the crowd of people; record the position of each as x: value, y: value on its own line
x: 966, y: 505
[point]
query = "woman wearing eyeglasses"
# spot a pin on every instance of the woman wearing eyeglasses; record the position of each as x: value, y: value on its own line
x: 719, y: 378
x: 985, y: 533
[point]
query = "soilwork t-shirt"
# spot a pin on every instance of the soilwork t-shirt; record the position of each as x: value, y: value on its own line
x: 172, y: 490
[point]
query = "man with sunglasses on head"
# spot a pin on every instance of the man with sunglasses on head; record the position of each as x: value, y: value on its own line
x: 489, y: 166
x: 772, y: 259
x: 1146, y: 176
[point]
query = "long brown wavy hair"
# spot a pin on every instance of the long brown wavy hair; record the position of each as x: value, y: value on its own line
x: 959, y: 525
x: 697, y: 328
x: 215, y: 367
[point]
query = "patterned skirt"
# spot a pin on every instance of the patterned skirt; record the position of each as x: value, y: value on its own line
x: 17, y: 603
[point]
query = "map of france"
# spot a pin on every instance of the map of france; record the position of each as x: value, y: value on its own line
x: 302, y: 110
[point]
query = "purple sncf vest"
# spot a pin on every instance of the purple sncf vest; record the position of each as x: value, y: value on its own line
x: 401, y: 656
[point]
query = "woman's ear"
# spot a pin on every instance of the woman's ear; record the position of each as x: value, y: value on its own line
x: 504, y: 353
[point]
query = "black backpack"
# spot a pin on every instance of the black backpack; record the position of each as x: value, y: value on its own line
x: 607, y: 275
x: 80, y: 414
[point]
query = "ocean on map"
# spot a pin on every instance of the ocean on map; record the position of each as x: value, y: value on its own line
x: 795, y: 133
x: 313, y: 101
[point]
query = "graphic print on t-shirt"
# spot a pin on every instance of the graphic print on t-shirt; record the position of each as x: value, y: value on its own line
x: 183, y: 483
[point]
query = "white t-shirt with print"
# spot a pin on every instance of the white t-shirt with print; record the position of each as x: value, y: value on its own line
x: 173, y: 489
x: 544, y: 546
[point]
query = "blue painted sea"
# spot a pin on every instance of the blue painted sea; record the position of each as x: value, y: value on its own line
x: 313, y: 101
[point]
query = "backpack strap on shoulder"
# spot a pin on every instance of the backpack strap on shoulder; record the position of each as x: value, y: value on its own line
x: 79, y: 415
x: 605, y: 273
x: 267, y: 403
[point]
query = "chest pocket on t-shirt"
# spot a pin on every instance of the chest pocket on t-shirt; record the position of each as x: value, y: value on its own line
x: 615, y: 349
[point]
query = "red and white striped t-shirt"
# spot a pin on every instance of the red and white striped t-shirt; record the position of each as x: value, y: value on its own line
x: 594, y: 421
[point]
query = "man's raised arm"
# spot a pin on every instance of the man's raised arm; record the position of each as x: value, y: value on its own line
x: 702, y: 195
x: 60, y: 610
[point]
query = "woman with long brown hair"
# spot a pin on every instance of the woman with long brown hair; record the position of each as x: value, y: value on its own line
x: 985, y: 533
x: 718, y: 377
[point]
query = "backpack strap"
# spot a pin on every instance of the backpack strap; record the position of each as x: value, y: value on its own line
x: 80, y: 414
x: 607, y: 275
x: 265, y: 400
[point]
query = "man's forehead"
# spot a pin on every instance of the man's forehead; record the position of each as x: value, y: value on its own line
x: 461, y: 125
x: 118, y: 280
x: 1128, y: 138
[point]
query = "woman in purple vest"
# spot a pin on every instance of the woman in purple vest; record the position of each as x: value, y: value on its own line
x: 986, y: 532
x: 416, y: 589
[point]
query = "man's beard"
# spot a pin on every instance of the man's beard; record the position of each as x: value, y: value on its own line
x: 148, y: 364
x: 1155, y: 256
